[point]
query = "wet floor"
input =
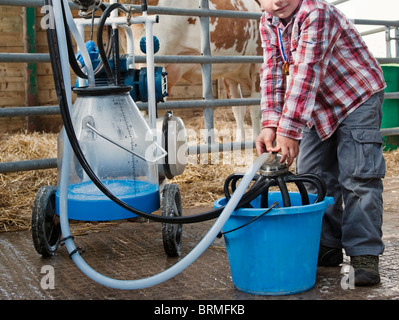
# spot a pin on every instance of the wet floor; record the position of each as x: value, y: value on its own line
x: 134, y: 250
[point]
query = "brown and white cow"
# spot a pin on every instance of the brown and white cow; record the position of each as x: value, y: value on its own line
x: 180, y: 35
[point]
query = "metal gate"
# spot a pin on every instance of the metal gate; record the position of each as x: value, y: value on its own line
x: 206, y: 60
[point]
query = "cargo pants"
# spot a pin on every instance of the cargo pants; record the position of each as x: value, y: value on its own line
x: 351, y: 163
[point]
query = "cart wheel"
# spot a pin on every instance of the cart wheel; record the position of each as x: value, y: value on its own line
x: 46, y: 229
x: 171, y: 207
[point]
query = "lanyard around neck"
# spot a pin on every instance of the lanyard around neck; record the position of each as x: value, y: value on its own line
x: 286, y: 64
x: 281, y: 44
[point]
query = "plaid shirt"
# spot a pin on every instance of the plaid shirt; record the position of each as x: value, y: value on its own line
x: 332, y: 71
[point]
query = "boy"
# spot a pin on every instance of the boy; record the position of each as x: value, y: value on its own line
x: 320, y: 85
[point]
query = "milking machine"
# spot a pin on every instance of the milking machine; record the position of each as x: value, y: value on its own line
x: 109, y: 127
x: 113, y: 163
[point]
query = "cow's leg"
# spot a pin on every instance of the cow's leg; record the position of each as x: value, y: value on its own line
x: 255, y: 93
x: 255, y: 117
x: 255, y: 120
x: 233, y: 91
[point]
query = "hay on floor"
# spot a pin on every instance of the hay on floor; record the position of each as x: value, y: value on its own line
x: 200, y: 184
x: 18, y: 189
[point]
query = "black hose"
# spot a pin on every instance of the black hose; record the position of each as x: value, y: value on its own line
x: 231, y: 182
x: 115, y: 57
x: 144, y: 6
x: 265, y: 182
x: 66, y: 117
x: 284, y: 191
x: 54, y: 51
x: 313, y: 179
x: 108, y: 51
x: 100, y: 44
x: 71, y: 54
x: 303, y: 192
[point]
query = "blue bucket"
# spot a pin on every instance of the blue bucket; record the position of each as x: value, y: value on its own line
x: 276, y: 254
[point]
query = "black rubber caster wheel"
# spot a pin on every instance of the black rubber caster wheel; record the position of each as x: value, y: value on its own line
x: 46, y: 229
x: 171, y: 207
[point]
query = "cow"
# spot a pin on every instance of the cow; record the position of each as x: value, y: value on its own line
x: 180, y: 35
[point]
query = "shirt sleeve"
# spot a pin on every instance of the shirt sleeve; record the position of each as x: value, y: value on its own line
x: 311, y: 57
x: 273, y: 82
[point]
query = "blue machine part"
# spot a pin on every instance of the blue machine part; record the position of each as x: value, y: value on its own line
x: 143, y: 44
x: 136, y: 78
x: 160, y: 84
x: 93, y: 53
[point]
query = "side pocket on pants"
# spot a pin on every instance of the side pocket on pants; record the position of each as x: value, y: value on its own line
x: 368, y: 157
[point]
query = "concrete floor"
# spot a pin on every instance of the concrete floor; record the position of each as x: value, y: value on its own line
x: 132, y: 250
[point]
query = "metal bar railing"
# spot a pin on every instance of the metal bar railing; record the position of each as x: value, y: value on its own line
x: 44, y: 57
x: 388, y: 23
x: 337, y: 2
x: 372, y: 31
x: 28, y: 111
x: 30, y: 3
x: 24, y: 57
x: 50, y: 163
x: 27, y: 165
x: 48, y: 110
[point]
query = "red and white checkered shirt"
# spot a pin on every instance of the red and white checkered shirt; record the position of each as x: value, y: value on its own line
x: 332, y: 71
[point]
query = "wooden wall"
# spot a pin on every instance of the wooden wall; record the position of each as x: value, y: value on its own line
x: 12, y: 82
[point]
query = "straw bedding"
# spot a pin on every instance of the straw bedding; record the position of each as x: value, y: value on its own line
x: 200, y: 184
x: 18, y: 190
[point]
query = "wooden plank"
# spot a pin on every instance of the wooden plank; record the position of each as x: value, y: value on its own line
x: 44, y: 68
x: 12, y: 86
x: 8, y: 11
x: 10, y: 19
x: 10, y: 26
x: 12, y: 98
x: 12, y: 49
x: 12, y: 125
x: 12, y: 70
x: 47, y: 97
x: 11, y: 37
x: 12, y: 79
x: 46, y: 82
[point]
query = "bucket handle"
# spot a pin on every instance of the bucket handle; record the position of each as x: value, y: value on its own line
x: 275, y: 204
x: 142, y: 157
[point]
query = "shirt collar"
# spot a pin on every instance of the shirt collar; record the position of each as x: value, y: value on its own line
x: 276, y: 21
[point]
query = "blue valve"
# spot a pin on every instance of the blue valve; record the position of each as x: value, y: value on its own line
x: 143, y: 44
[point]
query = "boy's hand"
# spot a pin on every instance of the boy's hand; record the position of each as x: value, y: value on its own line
x: 264, y: 142
x: 289, y: 147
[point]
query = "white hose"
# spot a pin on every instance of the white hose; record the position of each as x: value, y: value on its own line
x: 175, y: 269
x: 80, y: 43
x: 63, y: 189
